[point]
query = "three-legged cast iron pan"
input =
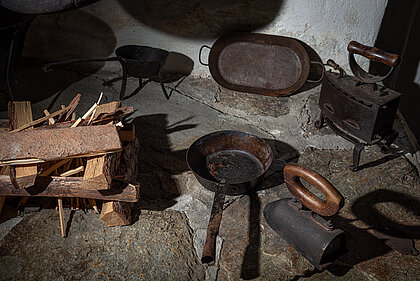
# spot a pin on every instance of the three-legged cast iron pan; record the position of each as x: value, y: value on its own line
x: 227, y: 162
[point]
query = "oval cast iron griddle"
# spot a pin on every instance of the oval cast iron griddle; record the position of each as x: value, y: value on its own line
x: 259, y: 63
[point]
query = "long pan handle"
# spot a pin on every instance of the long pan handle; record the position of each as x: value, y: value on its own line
x: 334, y: 200
x: 47, y: 67
x: 209, y: 250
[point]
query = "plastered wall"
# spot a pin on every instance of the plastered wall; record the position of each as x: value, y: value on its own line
x: 184, y: 25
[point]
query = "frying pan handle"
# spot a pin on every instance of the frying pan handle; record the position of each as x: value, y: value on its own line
x: 372, y: 53
x: 199, y: 54
x: 322, y: 74
x: 334, y: 200
x: 47, y: 67
x: 209, y: 250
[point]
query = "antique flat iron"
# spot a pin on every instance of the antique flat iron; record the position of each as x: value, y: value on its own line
x: 357, y: 108
x: 298, y: 219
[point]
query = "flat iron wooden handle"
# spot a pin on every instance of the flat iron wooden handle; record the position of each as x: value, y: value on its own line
x: 372, y: 53
x: 292, y: 173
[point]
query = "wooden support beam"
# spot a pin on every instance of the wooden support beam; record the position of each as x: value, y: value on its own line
x: 116, y: 213
x: 20, y: 114
x: 35, y: 146
x: 71, y: 187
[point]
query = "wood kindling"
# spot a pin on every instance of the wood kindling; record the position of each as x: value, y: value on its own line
x: 72, y: 104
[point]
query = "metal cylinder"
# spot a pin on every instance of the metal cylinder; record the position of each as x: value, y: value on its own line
x: 310, y: 234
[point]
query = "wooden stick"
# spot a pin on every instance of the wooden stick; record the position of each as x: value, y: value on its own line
x: 60, y: 210
x: 51, y: 120
x: 22, y: 202
x: 54, y: 167
x: 45, y: 118
x: 86, y: 115
x: 72, y: 172
x: 92, y: 203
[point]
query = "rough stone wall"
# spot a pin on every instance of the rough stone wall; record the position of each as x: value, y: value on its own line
x: 184, y: 25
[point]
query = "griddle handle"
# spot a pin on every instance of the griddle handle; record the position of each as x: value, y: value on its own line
x: 209, y: 250
x: 334, y: 200
x: 199, y: 54
x: 373, y: 53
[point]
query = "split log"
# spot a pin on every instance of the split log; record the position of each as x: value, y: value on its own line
x: 20, y: 114
x: 102, y: 168
x: 116, y: 213
x: 70, y: 187
x: 37, y: 146
x: 128, y: 134
x: 129, y: 164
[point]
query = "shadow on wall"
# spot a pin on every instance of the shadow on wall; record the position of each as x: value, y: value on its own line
x: 69, y: 35
x: 400, y: 34
x: 203, y: 19
x: 56, y: 37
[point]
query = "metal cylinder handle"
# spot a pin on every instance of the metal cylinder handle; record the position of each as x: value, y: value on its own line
x: 322, y: 73
x: 333, y: 202
x: 199, y: 54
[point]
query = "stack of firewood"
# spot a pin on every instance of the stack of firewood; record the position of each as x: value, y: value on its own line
x: 80, y: 160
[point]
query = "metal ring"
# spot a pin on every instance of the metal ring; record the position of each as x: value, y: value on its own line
x: 199, y: 54
x: 322, y: 75
x: 333, y: 202
x: 363, y: 75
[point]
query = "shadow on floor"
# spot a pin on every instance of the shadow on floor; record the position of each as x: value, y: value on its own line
x: 157, y: 162
x: 364, y: 244
x: 283, y: 154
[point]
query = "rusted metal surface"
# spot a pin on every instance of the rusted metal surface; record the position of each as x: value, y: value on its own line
x: 226, y: 148
x: 314, y: 237
x: 55, y: 144
x: 258, y: 63
x: 334, y: 200
x: 209, y: 250
x: 359, y: 107
x: 71, y: 187
x: 227, y: 162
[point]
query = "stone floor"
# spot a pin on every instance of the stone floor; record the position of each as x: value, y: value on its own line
x: 165, y: 241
